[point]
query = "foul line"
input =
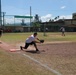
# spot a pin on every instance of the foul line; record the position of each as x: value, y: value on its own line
x: 43, y: 65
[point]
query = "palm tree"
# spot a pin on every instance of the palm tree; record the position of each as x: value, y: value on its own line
x: 36, y: 23
x: 56, y: 18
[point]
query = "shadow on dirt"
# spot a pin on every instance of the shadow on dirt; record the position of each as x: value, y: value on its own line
x: 32, y: 51
x: 35, y: 52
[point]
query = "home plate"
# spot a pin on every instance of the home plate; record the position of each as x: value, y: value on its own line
x: 14, y: 50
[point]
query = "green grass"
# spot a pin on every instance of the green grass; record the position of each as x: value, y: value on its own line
x: 21, y: 37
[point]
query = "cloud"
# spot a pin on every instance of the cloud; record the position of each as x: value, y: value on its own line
x: 50, y: 16
x: 63, y: 7
x: 12, y: 20
x: 65, y: 17
x: 46, y: 17
x: 43, y: 18
x: 9, y: 20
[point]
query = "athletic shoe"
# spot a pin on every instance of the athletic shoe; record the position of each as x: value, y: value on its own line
x: 21, y: 47
x: 37, y: 50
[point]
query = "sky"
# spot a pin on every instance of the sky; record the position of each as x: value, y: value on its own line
x: 46, y: 9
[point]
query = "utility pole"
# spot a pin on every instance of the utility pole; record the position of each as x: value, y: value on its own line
x: 0, y: 15
x: 30, y: 19
x: 3, y: 18
x: 44, y: 30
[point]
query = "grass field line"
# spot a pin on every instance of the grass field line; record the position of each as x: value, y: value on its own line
x: 41, y: 64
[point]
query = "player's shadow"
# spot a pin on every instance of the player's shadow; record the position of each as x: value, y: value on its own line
x: 32, y: 51
x: 0, y: 42
x: 35, y: 52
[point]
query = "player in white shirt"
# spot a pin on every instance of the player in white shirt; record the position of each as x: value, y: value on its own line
x: 63, y: 31
x: 31, y: 41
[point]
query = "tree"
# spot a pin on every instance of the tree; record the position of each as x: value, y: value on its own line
x: 56, y: 18
x: 36, y: 22
x: 36, y: 18
x: 23, y: 22
x: 50, y: 20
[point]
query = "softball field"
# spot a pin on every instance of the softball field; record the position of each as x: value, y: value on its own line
x: 57, y: 55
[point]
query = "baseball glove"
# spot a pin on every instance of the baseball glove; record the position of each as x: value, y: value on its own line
x: 42, y: 41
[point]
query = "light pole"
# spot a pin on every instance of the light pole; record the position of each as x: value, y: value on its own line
x: 30, y: 19
x: 3, y: 19
x: 0, y: 15
x: 45, y: 29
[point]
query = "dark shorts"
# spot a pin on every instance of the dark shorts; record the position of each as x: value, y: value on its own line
x: 0, y: 33
x: 63, y: 32
x: 27, y: 44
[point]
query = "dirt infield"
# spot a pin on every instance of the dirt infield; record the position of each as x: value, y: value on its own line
x: 59, y: 56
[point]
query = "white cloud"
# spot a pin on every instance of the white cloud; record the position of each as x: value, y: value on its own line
x: 9, y: 20
x: 43, y: 18
x: 63, y: 7
x: 46, y: 17
x: 50, y: 16
x: 65, y: 17
x: 12, y: 20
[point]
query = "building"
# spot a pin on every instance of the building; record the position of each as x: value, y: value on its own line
x: 74, y: 16
x: 52, y: 26
x: 69, y: 24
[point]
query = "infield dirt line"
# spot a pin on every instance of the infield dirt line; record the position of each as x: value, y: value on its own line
x: 57, y: 42
x: 41, y: 64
